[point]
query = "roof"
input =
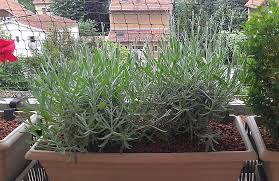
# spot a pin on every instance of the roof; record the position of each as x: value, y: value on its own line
x: 127, y: 36
x: 141, y: 5
x: 14, y: 8
x: 47, y: 22
x: 255, y: 3
x: 42, y: 2
x: 26, y: 17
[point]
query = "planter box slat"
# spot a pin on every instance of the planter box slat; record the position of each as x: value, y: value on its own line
x: 213, y: 166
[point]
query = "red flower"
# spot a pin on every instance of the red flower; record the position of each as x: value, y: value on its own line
x: 7, y: 48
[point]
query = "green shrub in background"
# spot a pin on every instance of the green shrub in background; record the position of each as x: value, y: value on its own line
x: 59, y: 42
x: 87, y: 28
x: 15, y: 76
x: 56, y: 44
x: 262, y: 45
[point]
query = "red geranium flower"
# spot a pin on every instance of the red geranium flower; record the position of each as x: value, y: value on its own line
x: 7, y: 48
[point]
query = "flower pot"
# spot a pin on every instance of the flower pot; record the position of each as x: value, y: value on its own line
x: 212, y: 166
x: 12, y: 150
x: 270, y: 158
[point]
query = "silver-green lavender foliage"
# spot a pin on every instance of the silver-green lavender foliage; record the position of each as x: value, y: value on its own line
x: 93, y: 101
x: 194, y: 78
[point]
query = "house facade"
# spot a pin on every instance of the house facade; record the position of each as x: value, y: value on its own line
x: 254, y: 4
x: 136, y: 23
x: 29, y: 30
x: 42, y: 6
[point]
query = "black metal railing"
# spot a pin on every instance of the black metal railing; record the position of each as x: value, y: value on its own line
x: 33, y: 172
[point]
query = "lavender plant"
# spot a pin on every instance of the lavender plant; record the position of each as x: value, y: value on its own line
x: 98, y: 100
x: 193, y: 80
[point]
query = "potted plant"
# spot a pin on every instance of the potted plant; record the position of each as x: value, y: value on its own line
x: 14, y: 143
x: 262, y: 45
x: 13, y: 138
x: 152, y: 119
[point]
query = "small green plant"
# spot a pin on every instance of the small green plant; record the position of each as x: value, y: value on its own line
x: 262, y: 46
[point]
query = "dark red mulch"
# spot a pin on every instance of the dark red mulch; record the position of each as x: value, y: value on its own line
x: 270, y: 143
x: 229, y: 139
x: 6, y: 127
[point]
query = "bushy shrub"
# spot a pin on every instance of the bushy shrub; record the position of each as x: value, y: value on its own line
x: 99, y: 99
x: 90, y: 101
x: 262, y: 46
x: 56, y: 44
x: 193, y: 80
x: 87, y: 28
x: 15, y: 76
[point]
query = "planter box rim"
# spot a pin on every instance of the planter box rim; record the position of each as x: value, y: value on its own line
x: 264, y: 153
x: 222, y: 156
x: 16, y: 133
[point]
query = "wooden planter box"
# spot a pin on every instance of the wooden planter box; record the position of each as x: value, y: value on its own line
x: 270, y: 158
x: 209, y: 166
x: 12, y: 151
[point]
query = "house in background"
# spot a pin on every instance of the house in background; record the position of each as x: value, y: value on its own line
x: 254, y: 4
x: 42, y: 6
x: 29, y: 30
x: 136, y: 22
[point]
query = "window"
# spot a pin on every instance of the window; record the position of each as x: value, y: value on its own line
x: 155, y: 48
x: 137, y: 47
x: 32, y: 39
x: 119, y: 33
x: 17, y: 39
x: 44, y: 10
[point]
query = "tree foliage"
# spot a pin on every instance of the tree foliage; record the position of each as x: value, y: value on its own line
x: 28, y: 4
x: 262, y: 45
x: 231, y: 13
x: 73, y: 9
x: 96, y: 10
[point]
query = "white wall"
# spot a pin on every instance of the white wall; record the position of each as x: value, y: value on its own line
x: 24, y: 44
x: 23, y: 32
x: 74, y: 31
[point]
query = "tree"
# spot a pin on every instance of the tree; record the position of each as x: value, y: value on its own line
x: 98, y: 10
x: 231, y: 13
x: 73, y: 9
x: 95, y: 10
x: 28, y: 4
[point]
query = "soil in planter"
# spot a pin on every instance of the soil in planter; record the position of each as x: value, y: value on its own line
x: 270, y: 143
x: 6, y: 127
x: 229, y: 139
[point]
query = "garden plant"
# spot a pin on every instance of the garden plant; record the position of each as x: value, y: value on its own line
x: 94, y: 102
x: 262, y: 48
x: 162, y: 114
